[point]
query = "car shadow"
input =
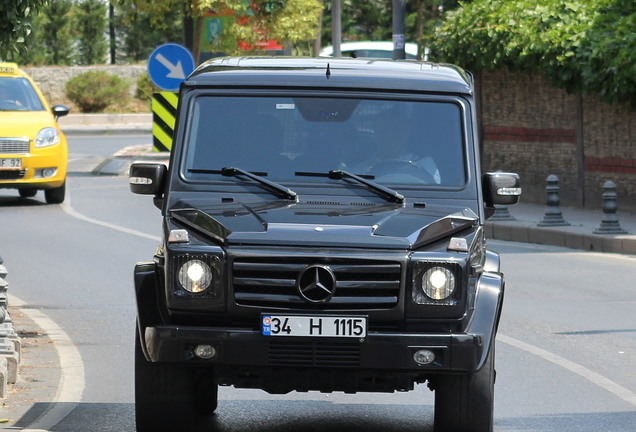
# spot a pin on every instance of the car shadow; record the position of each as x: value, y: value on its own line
x: 16, y: 201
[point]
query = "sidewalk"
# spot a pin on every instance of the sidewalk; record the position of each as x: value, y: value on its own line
x: 88, y: 124
x: 523, y: 228
x: 578, y: 235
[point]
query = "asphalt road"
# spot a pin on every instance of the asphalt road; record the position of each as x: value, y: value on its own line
x: 565, y: 354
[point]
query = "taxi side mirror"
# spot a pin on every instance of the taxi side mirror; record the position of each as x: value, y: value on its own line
x: 60, y: 111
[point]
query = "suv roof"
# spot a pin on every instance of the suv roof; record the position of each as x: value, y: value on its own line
x: 376, y: 74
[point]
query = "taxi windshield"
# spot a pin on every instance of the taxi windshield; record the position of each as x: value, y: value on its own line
x: 300, y: 139
x: 17, y: 94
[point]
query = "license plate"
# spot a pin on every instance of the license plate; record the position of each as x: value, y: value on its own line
x: 10, y: 163
x: 314, y: 326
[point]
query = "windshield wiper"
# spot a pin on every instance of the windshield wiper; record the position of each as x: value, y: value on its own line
x: 275, y: 188
x: 384, y: 192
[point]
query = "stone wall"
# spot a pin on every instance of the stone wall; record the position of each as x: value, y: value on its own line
x: 534, y: 129
x: 52, y: 79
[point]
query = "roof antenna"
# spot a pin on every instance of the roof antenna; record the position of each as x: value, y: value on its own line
x: 328, y: 71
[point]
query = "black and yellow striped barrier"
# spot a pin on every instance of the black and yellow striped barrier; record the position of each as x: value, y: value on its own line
x: 164, y: 114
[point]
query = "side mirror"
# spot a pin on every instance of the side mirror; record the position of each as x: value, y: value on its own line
x: 501, y: 188
x: 147, y: 178
x: 60, y: 111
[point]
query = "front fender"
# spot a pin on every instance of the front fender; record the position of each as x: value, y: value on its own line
x: 146, y: 296
x: 483, y: 324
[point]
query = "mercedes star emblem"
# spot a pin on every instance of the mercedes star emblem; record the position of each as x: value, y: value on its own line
x: 316, y: 284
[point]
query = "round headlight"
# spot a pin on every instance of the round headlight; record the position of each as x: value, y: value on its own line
x: 47, y: 137
x: 438, y: 283
x: 195, y: 276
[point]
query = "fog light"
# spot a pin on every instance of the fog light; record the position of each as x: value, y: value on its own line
x: 204, y: 352
x: 45, y: 172
x: 424, y: 357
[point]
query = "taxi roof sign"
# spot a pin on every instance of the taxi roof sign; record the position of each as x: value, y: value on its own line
x: 9, y: 68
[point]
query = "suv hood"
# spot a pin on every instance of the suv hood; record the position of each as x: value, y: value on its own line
x: 387, y: 226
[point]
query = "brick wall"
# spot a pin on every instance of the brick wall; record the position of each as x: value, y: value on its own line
x: 534, y: 129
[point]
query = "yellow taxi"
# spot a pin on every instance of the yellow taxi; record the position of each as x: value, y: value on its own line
x: 33, y: 149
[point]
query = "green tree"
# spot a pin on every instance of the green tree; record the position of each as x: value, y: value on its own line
x: 15, y: 24
x: 33, y: 50
x: 90, y: 22
x: 140, y: 32
x: 581, y: 45
x: 56, y: 32
x: 289, y: 21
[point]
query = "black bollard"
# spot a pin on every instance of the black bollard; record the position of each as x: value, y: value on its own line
x: 501, y: 214
x: 553, y: 216
x: 610, y: 223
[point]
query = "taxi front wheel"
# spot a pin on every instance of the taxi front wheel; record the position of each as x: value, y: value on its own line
x: 27, y: 193
x: 55, y: 195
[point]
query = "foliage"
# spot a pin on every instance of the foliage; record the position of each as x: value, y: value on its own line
x: 56, y: 32
x: 15, y: 24
x: 581, y: 45
x: 94, y: 91
x: 51, y: 41
x: 290, y: 21
x: 360, y: 20
x: 33, y: 50
x: 138, y: 35
x: 90, y: 21
x: 145, y: 88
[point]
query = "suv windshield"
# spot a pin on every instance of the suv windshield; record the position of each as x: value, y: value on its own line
x: 286, y: 138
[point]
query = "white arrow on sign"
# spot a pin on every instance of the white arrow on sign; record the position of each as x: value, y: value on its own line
x: 176, y: 71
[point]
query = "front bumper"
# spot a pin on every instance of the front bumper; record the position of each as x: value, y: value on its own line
x: 378, y: 351
x: 30, y: 174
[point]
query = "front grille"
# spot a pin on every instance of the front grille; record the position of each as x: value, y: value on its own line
x: 360, y: 284
x: 314, y: 353
x: 14, y: 145
x: 12, y: 174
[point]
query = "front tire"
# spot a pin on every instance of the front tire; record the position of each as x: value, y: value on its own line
x: 27, y: 193
x: 55, y: 195
x: 464, y: 403
x: 172, y: 397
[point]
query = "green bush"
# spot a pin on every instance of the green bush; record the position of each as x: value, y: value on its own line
x: 145, y: 88
x: 94, y: 91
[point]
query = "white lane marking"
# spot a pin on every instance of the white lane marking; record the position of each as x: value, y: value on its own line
x: 66, y: 206
x: 595, y: 378
x: 71, y: 387
x: 72, y: 381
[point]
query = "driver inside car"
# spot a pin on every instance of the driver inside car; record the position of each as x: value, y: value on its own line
x: 8, y: 96
x: 398, y: 151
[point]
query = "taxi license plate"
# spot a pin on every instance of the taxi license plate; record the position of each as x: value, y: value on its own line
x: 314, y: 326
x: 7, y: 163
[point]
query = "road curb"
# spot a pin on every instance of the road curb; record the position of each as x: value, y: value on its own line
x: 573, y: 237
x: 120, y: 162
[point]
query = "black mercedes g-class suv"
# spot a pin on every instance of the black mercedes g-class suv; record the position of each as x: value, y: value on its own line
x: 323, y: 230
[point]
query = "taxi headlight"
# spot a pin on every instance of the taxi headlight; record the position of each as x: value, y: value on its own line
x: 47, y: 137
x: 195, y: 276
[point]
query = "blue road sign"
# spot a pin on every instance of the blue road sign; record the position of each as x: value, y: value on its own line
x: 169, y: 65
